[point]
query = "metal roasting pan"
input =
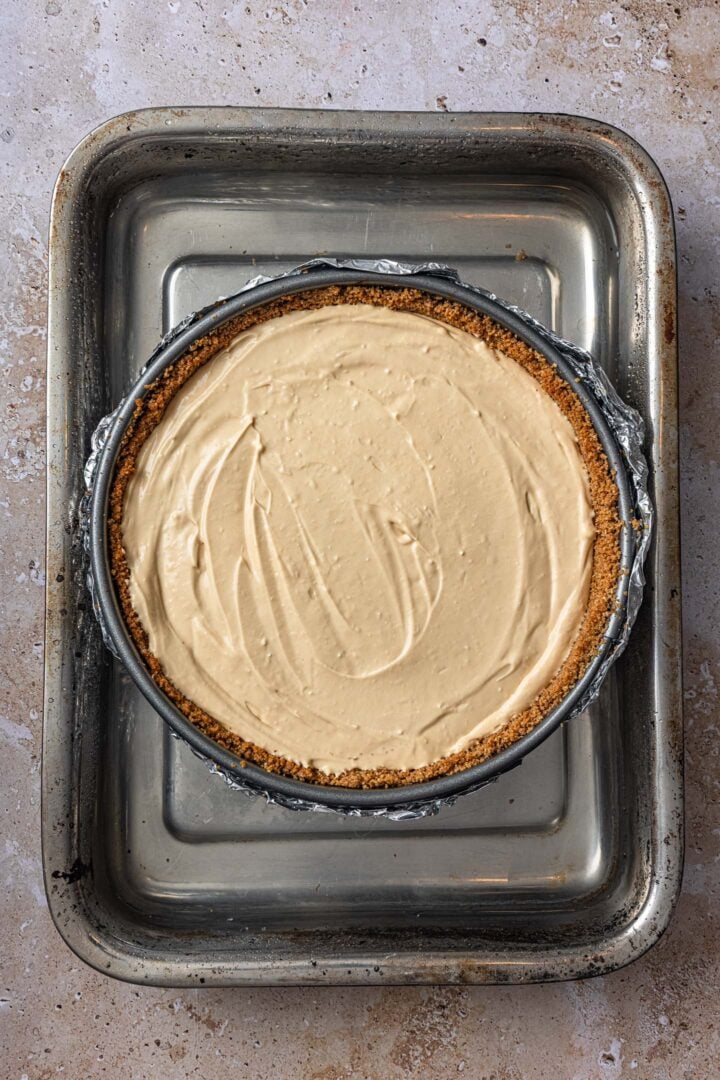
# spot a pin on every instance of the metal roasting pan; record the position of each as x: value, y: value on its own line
x: 155, y: 871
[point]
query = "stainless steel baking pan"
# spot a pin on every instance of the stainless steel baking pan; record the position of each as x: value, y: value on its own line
x: 155, y: 871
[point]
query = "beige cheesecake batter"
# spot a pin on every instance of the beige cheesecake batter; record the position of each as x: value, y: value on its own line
x: 360, y: 538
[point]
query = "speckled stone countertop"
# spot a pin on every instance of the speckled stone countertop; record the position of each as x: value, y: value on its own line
x: 652, y: 68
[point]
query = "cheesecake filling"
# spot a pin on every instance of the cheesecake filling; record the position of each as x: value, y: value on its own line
x: 360, y: 538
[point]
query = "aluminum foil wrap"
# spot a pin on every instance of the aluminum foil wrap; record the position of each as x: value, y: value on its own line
x: 625, y: 423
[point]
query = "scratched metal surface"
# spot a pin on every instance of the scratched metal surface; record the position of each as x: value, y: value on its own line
x: 567, y: 866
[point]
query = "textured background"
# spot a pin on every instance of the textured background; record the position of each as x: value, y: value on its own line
x: 652, y: 68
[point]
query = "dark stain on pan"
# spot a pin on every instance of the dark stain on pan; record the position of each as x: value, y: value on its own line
x: 77, y: 871
x: 669, y: 323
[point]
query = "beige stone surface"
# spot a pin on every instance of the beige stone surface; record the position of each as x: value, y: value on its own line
x: 651, y: 67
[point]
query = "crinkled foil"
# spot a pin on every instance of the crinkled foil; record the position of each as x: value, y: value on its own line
x: 625, y: 423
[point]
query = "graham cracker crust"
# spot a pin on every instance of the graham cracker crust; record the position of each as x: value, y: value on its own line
x: 603, y: 491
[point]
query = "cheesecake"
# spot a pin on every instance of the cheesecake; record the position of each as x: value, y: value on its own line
x: 364, y: 536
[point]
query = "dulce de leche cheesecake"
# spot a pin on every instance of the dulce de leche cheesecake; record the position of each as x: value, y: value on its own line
x: 364, y: 536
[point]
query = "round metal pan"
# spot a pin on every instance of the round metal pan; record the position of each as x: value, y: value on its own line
x: 294, y: 793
